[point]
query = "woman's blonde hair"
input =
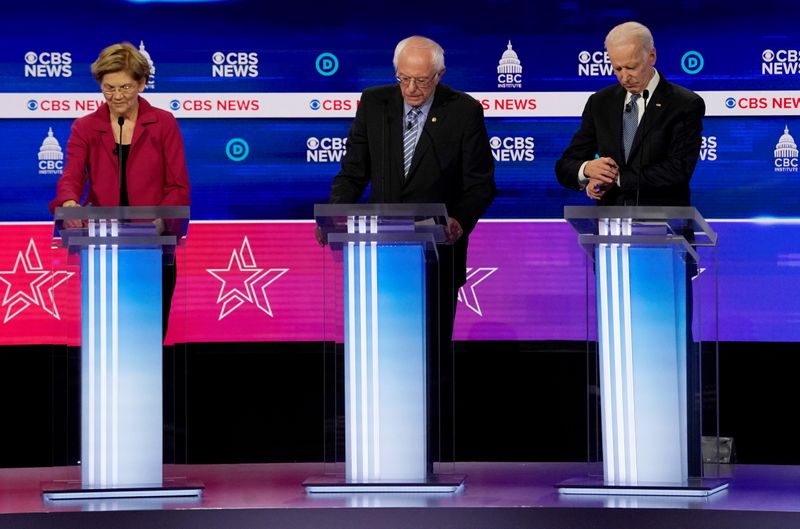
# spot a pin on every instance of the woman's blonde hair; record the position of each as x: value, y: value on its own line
x: 122, y: 57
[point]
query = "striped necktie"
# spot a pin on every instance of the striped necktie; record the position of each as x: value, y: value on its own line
x: 630, y: 122
x: 410, y: 137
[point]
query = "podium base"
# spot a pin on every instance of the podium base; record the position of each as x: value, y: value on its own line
x: 73, y: 490
x: 695, y: 487
x: 435, y: 483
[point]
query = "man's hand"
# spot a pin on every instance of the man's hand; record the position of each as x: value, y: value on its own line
x: 604, y: 170
x: 453, y: 230
x: 595, y: 189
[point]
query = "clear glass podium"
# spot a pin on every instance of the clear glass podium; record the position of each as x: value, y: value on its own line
x: 646, y: 262
x: 120, y: 252
x: 385, y: 255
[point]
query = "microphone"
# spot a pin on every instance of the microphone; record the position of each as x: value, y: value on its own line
x: 645, y: 95
x: 628, y: 106
x: 385, y: 147
x: 118, y: 152
x: 409, y: 125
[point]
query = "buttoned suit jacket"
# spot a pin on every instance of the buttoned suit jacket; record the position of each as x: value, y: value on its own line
x: 664, y: 153
x: 452, y: 162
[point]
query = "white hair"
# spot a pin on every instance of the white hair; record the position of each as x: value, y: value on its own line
x: 631, y: 31
x: 416, y: 41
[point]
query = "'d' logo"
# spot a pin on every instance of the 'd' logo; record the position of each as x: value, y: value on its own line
x: 327, y: 64
x: 237, y: 149
x: 692, y: 62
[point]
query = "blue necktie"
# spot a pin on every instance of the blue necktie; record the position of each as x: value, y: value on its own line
x: 630, y: 122
x: 410, y: 137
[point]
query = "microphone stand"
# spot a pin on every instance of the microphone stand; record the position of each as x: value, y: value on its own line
x: 120, y: 122
x: 645, y: 95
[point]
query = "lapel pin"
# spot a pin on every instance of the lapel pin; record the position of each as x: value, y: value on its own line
x: 658, y: 104
x: 433, y: 119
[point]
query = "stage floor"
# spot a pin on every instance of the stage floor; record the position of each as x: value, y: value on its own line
x: 495, y: 495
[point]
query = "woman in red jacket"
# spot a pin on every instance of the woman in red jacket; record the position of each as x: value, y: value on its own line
x: 129, y: 152
x: 152, y: 171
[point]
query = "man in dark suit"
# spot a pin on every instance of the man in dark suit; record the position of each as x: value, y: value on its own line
x: 419, y: 141
x: 656, y: 167
x: 638, y: 144
x: 451, y: 162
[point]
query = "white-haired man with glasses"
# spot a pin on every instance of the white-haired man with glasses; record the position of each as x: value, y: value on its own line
x: 418, y: 140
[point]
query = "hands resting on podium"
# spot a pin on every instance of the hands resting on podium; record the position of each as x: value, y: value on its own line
x: 78, y: 223
x: 452, y: 232
x: 72, y: 223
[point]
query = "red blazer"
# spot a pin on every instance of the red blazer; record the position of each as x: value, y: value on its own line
x: 156, y: 168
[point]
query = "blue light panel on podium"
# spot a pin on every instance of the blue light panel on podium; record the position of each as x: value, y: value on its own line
x: 385, y: 395
x: 641, y: 305
x: 121, y: 366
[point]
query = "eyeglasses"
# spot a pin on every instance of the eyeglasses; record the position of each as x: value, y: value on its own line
x: 125, y: 89
x: 422, y: 82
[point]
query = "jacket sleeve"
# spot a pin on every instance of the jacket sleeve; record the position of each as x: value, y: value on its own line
x: 582, y: 148
x: 176, y: 176
x: 349, y: 184
x: 477, y: 171
x: 71, y: 184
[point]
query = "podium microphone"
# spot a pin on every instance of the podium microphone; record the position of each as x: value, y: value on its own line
x: 645, y: 95
x: 120, y: 122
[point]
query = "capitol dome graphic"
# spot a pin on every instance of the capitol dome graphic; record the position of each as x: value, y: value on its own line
x: 151, y: 81
x: 509, y: 62
x: 50, y: 149
x: 786, y: 147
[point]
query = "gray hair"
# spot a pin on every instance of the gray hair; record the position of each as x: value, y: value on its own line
x: 631, y: 31
x: 416, y: 41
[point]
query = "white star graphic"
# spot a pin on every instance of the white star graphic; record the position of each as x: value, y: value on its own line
x: 249, y: 282
x: 467, y: 295
x: 25, y: 287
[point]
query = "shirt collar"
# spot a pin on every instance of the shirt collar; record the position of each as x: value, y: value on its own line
x: 424, y: 107
x: 651, y: 87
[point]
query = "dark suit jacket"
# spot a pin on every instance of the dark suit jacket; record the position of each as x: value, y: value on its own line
x: 664, y: 152
x: 452, y: 162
